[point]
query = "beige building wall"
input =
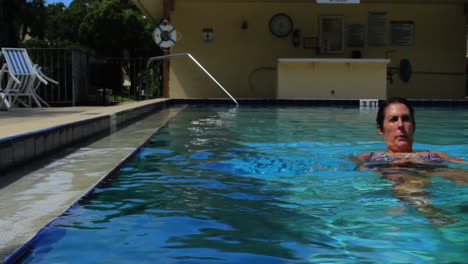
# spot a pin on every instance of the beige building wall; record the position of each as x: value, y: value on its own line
x: 245, y: 61
x: 330, y: 79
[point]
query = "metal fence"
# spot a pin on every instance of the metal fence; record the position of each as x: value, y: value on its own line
x: 83, y: 79
x: 57, y: 65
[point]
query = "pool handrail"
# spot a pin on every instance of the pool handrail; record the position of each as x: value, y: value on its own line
x: 150, y: 60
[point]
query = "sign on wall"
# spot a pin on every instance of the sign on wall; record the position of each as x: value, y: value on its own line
x: 377, y: 34
x: 356, y: 35
x: 338, y: 1
x: 401, y: 33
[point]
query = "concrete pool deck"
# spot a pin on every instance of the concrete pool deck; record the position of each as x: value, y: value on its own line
x: 18, y: 121
x: 35, y: 192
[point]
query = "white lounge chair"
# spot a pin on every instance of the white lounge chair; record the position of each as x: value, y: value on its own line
x: 4, y: 103
x: 23, y: 79
x: 38, y: 83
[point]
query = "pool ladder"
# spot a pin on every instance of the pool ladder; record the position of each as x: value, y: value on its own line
x: 196, y: 62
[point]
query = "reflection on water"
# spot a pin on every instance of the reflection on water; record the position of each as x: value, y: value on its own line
x: 257, y: 186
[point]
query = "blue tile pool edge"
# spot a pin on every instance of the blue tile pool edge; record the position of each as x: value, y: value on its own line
x: 312, y: 102
x: 21, y: 148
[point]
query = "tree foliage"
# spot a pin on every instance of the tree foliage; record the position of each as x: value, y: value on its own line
x: 34, y: 19
x: 21, y: 18
x: 104, y: 28
x: 111, y: 28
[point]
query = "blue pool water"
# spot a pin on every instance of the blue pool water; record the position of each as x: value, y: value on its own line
x: 268, y: 185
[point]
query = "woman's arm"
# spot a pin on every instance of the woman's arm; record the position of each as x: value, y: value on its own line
x: 448, y: 158
x: 360, y: 159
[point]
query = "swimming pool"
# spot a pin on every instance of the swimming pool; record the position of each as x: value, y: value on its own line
x: 266, y: 185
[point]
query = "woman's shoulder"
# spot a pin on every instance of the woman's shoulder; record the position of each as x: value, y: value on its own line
x: 361, y: 158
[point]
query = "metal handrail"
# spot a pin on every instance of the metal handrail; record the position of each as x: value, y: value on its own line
x: 196, y: 62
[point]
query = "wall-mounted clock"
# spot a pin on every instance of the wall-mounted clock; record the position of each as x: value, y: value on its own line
x: 281, y: 25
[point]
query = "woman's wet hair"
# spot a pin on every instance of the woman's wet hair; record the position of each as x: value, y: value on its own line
x: 381, y: 113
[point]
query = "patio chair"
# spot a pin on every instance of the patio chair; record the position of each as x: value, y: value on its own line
x: 4, y: 103
x: 22, y: 77
x: 36, y: 85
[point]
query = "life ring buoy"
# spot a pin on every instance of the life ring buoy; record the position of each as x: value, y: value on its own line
x: 165, y: 35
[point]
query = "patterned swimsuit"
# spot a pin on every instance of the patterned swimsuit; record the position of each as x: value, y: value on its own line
x: 381, y: 156
x: 381, y: 160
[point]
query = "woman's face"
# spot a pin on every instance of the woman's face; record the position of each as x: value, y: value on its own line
x: 398, y: 128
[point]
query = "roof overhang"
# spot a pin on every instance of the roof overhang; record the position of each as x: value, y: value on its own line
x: 153, y: 9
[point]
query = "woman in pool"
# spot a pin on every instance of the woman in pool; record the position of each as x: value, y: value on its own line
x: 410, y: 170
x: 396, y: 124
